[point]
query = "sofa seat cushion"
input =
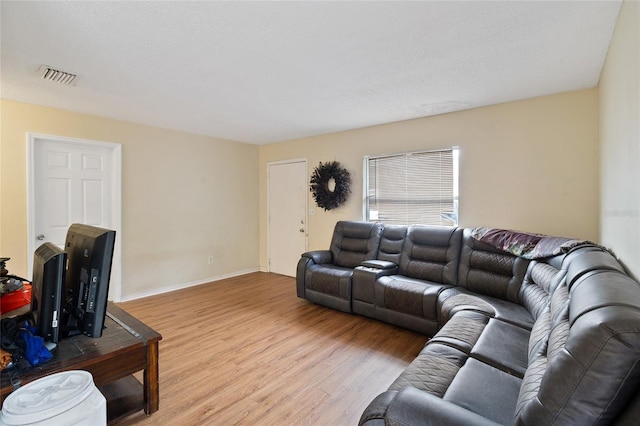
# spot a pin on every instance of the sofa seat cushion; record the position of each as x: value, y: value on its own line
x: 485, y: 390
x: 455, y: 299
x: 494, y: 342
x: 457, y: 380
x: 409, y: 296
x: 503, y: 346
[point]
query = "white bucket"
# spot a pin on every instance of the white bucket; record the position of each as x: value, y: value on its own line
x: 67, y: 398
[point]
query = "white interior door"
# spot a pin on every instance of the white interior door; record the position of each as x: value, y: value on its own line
x: 72, y: 185
x: 287, y: 215
x: 74, y: 182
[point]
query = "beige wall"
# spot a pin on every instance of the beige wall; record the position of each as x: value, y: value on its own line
x: 620, y: 140
x: 530, y: 165
x: 184, y: 197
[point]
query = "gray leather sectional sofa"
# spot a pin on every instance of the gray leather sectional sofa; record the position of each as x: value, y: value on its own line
x: 531, y: 338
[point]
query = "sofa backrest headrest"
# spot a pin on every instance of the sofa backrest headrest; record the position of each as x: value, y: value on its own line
x: 391, y: 243
x: 586, y: 368
x: 354, y: 242
x: 490, y: 271
x: 587, y: 259
x: 588, y: 295
x: 540, y: 281
x: 431, y: 253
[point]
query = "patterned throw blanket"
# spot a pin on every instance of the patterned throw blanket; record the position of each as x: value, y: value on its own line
x: 529, y: 246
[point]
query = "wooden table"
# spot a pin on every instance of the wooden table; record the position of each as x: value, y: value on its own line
x: 126, y: 347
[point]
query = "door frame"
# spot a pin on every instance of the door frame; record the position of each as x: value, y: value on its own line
x: 306, y: 205
x: 115, y: 150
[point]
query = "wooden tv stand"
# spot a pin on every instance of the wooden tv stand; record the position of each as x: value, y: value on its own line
x: 126, y: 347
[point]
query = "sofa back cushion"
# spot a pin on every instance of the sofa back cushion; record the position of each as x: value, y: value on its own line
x: 587, y: 259
x: 391, y: 243
x: 544, y: 275
x: 584, y: 352
x: 431, y: 253
x: 487, y: 270
x: 542, y: 278
x: 353, y: 242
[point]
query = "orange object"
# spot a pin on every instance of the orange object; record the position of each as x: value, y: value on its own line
x: 15, y: 299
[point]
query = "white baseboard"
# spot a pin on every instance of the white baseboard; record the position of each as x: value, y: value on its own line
x: 181, y: 286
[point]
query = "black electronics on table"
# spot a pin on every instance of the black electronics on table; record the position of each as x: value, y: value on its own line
x: 47, y: 286
x: 71, y: 286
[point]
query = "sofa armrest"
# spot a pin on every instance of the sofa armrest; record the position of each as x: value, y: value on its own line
x: 318, y: 256
x: 413, y: 406
x: 379, y: 264
x: 307, y: 259
x: 372, y: 274
x: 364, y: 281
x: 375, y: 412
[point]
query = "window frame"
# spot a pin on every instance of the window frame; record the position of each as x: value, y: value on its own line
x: 455, y: 150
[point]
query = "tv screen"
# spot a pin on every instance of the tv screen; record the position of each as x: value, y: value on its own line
x: 49, y: 263
x: 89, y: 254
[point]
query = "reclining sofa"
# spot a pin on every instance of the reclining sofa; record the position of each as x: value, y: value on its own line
x: 523, y: 329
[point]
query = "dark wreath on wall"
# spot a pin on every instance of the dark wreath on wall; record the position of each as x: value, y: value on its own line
x: 321, y: 185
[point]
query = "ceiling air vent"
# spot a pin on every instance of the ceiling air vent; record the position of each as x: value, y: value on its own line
x: 51, y: 74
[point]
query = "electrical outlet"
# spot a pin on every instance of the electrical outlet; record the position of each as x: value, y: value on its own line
x: 210, y: 260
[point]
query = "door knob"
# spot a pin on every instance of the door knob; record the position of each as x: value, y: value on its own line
x: 40, y: 237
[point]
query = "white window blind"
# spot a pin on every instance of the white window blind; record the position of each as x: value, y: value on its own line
x: 412, y: 188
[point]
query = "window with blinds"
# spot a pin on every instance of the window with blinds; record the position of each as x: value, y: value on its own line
x: 412, y: 188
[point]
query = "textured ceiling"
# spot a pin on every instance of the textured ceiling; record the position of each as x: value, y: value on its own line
x: 262, y: 72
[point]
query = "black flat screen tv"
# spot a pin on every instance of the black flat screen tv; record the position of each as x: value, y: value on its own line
x: 89, y: 255
x: 49, y: 263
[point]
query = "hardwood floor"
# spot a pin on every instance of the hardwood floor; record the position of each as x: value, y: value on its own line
x: 247, y: 351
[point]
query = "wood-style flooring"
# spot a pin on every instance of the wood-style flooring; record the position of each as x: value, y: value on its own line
x: 248, y: 351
